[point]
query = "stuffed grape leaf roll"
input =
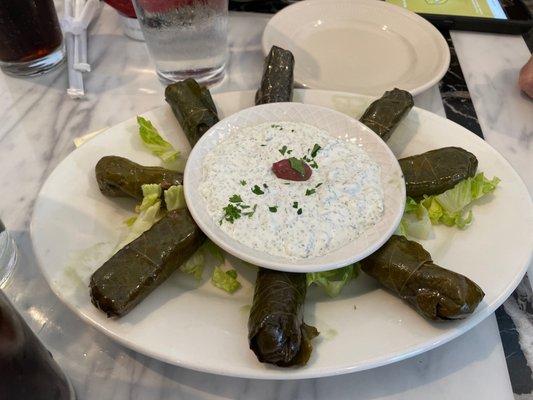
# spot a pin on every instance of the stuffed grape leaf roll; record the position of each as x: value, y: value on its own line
x: 436, y: 171
x: 385, y: 113
x: 193, y: 107
x: 137, y: 269
x: 120, y: 177
x: 278, y: 77
x: 276, y: 331
x: 406, y: 268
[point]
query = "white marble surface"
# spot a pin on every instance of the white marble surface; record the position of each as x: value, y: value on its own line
x: 39, y: 123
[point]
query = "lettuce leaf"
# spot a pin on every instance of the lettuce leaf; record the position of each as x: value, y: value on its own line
x: 151, y: 194
x: 334, y: 280
x: 449, y: 208
x: 174, y: 198
x: 144, y: 221
x: 225, y: 280
x: 195, y: 264
x: 153, y: 140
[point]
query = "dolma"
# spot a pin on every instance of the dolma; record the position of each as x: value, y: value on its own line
x: 384, y: 114
x: 120, y: 177
x: 137, y: 269
x: 436, y: 171
x: 406, y: 268
x: 278, y: 77
x: 193, y: 107
x: 276, y: 331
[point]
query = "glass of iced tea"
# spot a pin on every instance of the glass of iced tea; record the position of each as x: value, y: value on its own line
x: 31, y: 42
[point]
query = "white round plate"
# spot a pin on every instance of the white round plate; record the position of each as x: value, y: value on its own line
x: 359, y: 46
x: 201, y: 327
x: 338, y: 125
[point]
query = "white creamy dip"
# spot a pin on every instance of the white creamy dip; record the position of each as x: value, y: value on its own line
x: 344, y: 195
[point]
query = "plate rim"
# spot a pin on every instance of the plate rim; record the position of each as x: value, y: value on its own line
x: 275, y: 374
x: 443, y: 47
x: 264, y: 259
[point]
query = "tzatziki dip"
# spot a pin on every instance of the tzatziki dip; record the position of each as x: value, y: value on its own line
x: 289, y: 216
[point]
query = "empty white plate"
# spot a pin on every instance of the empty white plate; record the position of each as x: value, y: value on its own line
x: 360, y: 46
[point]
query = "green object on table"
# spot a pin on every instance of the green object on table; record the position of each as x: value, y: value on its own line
x: 436, y: 171
x: 406, y: 268
x: 384, y: 114
x: 138, y: 268
x: 193, y: 107
x: 120, y: 177
x: 276, y: 331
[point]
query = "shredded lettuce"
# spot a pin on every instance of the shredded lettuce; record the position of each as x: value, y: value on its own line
x: 195, y: 264
x: 151, y: 194
x: 144, y: 221
x: 149, y: 214
x: 449, y: 208
x: 225, y: 280
x: 174, y: 198
x: 333, y: 281
x: 153, y: 140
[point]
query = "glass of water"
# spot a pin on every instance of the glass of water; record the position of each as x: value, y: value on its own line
x: 8, y: 255
x: 186, y: 38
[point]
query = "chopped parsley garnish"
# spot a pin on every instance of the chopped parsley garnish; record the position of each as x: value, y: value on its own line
x: 265, y: 185
x: 313, y: 164
x: 283, y: 150
x: 295, y: 204
x: 231, y: 213
x: 263, y: 145
x: 289, y: 151
x: 299, y: 211
x: 309, y: 192
x: 243, y: 206
x: 286, y: 183
x: 297, y: 165
x: 315, y: 150
x: 273, y: 209
x: 235, y: 199
x: 250, y: 213
x: 257, y: 190
x: 277, y: 126
x: 243, y: 182
x: 318, y: 185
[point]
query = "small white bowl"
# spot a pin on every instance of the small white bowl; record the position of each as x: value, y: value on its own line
x: 338, y: 125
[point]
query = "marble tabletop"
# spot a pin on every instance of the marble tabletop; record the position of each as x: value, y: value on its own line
x: 39, y: 125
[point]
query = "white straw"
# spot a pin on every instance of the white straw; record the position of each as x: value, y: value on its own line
x: 75, y: 78
x: 80, y: 42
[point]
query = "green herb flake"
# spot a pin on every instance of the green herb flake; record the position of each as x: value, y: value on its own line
x: 257, y: 190
x: 265, y: 185
x: 235, y: 199
x: 263, y: 145
x: 297, y: 165
x: 231, y: 213
x: 309, y: 192
x: 243, y: 183
x: 273, y: 209
x: 283, y: 150
x: 313, y: 164
x: 318, y: 185
x: 295, y: 204
x: 250, y: 213
x: 315, y: 150
x: 289, y: 151
x: 299, y: 211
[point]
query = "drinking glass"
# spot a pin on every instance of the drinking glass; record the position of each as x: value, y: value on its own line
x: 27, y: 369
x: 186, y: 38
x: 30, y: 37
x: 8, y: 255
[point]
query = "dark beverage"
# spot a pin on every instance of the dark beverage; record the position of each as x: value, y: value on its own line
x: 30, y: 36
x: 27, y: 369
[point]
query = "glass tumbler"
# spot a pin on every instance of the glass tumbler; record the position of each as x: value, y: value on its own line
x: 8, y: 255
x: 30, y: 37
x: 186, y: 38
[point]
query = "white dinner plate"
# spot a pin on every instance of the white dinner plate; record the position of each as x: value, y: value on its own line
x: 201, y: 327
x: 336, y: 124
x: 359, y: 46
